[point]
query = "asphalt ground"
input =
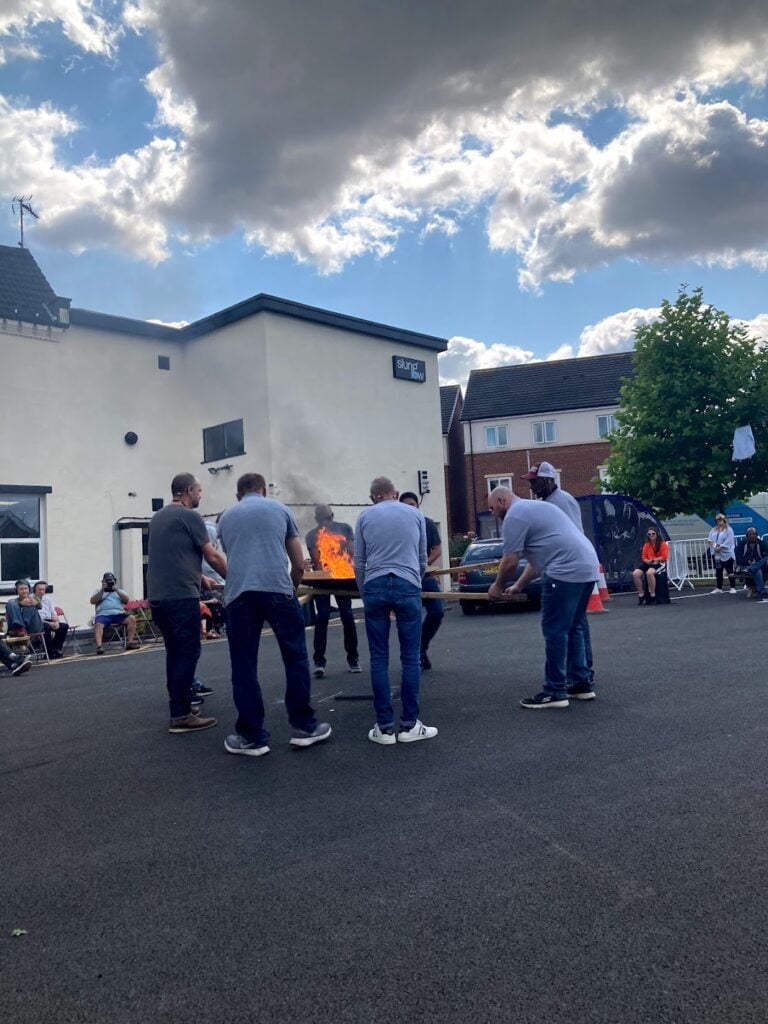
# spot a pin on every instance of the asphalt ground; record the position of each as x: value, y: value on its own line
x: 605, y: 863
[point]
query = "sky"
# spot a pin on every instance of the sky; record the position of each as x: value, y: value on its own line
x: 529, y: 181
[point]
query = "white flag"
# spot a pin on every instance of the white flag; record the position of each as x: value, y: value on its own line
x: 743, y: 443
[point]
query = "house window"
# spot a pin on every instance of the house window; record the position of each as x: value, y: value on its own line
x: 223, y: 441
x: 544, y: 432
x: 602, y: 474
x: 20, y: 538
x: 495, y: 437
x: 605, y: 425
x: 498, y: 481
x: 163, y: 362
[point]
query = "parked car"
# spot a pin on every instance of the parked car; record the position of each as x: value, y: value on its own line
x: 477, y: 581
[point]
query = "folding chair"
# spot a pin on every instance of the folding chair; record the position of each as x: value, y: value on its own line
x: 71, y: 640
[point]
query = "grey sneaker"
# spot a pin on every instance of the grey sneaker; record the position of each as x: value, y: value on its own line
x: 308, y: 739
x: 236, y: 744
x: 24, y: 665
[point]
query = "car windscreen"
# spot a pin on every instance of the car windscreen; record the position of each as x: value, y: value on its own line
x: 481, y: 553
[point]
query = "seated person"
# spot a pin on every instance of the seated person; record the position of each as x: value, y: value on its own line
x: 652, y: 558
x: 213, y: 621
x: 109, y: 601
x: 15, y: 663
x: 751, y: 558
x: 22, y: 612
x: 54, y: 630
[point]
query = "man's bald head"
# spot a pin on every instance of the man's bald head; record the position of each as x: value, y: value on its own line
x: 323, y: 514
x: 499, y: 501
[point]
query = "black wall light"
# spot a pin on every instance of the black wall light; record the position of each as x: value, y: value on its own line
x: 131, y: 438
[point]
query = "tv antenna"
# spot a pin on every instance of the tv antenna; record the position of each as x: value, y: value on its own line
x: 22, y: 205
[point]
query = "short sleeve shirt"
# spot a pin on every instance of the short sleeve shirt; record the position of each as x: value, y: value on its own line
x: 253, y: 534
x: 565, y: 501
x: 548, y: 539
x: 177, y: 536
x: 338, y: 530
x: 433, y: 534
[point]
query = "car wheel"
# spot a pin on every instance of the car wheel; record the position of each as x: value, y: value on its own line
x: 468, y: 607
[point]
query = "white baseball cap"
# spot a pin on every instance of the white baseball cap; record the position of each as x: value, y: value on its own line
x: 541, y: 470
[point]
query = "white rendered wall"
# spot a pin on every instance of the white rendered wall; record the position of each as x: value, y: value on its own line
x: 577, y: 427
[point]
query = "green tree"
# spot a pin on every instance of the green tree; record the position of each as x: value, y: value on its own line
x: 697, y: 376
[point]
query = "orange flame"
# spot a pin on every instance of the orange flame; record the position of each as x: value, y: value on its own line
x: 333, y: 555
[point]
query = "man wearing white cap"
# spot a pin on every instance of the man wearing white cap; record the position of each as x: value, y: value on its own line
x: 542, y: 479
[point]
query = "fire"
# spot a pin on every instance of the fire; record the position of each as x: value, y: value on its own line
x: 333, y: 556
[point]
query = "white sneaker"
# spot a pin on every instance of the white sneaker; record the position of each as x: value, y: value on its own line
x: 732, y: 590
x: 418, y: 731
x: 385, y: 738
x: 717, y: 590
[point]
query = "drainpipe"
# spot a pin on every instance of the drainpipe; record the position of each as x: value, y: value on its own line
x: 472, y: 474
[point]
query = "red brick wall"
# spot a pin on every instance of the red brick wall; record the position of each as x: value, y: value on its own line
x: 577, y: 464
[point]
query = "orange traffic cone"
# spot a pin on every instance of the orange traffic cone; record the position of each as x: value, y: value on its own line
x: 602, y: 586
x: 595, y: 604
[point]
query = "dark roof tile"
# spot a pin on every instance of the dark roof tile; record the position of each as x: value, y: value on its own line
x: 531, y: 388
x: 24, y: 292
x: 448, y: 395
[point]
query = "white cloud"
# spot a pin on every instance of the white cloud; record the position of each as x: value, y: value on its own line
x: 80, y: 20
x: 757, y: 327
x: 466, y: 354
x: 614, y: 333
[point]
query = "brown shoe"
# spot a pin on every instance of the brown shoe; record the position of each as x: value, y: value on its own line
x: 134, y: 645
x: 191, y: 723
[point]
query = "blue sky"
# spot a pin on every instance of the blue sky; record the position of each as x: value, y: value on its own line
x: 523, y: 186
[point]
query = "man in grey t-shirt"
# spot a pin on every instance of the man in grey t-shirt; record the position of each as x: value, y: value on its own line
x: 390, y: 560
x: 553, y: 546
x: 178, y: 543
x: 265, y: 565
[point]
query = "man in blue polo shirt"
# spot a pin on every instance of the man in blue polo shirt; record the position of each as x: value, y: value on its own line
x: 260, y: 538
x: 551, y: 543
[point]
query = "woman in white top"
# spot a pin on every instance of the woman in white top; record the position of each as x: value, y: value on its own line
x: 722, y: 544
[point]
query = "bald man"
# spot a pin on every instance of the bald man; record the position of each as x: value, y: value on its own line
x: 325, y: 521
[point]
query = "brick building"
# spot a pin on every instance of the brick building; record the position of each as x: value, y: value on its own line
x: 561, y: 411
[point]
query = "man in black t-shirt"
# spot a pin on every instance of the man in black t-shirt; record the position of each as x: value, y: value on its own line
x: 434, y: 608
x: 325, y: 521
x: 178, y: 542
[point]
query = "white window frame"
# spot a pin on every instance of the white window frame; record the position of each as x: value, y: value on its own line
x: 613, y: 424
x: 499, y: 480
x: 39, y: 541
x: 543, y: 424
x: 497, y: 444
x: 602, y: 475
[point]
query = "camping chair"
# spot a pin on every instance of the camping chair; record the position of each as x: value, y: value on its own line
x: 71, y: 640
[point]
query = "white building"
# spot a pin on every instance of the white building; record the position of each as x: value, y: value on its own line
x: 100, y: 412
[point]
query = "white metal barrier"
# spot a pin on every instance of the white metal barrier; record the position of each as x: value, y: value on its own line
x: 691, y: 560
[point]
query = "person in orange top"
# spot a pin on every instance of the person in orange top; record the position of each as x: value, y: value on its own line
x: 653, y: 556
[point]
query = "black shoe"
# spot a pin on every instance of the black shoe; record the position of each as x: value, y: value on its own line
x: 583, y: 692
x: 21, y: 666
x: 196, y: 701
x: 650, y: 600
x: 641, y: 599
x: 319, y: 671
x: 544, y: 700
x: 425, y: 662
x: 200, y: 690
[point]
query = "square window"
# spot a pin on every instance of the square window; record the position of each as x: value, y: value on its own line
x: 223, y: 441
x: 605, y: 425
x: 544, y: 432
x: 498, y: 481
x: 20, y: 555
x: 495, y: 437
x: 163, y: 362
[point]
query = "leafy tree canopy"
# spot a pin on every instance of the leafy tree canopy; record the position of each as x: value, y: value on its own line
x: 697, y: 376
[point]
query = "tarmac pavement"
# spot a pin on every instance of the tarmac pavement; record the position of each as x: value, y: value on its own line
x: 604, y: 864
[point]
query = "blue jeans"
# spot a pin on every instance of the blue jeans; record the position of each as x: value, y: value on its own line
x: 246, y: 616
x: 179, y: 622
x: 381, y: 596
x: 323, y: 615
x: 564, y: 625
x: 23, y: 617
x: 756, y: 569
x: 435, y: 610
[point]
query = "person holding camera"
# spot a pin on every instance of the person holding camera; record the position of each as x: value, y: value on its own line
x: 109, y: 601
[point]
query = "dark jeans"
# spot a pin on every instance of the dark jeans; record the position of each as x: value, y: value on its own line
x: 216, y: 621
x: 564, y: 625
x: 179, y: 622
x: 8, y: 658
x: 322, y: 617
x: 54, y: 638
x: 381, y: 596
x: 246, y: 616
x: 23, y: 617
x: 435, y: 610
